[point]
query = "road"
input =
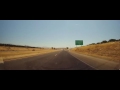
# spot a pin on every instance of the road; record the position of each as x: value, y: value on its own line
x: 59, y: 60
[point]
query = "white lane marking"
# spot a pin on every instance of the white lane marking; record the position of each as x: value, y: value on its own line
x: 55, y: 54
x: 1, y: 60
x: 85, y: 63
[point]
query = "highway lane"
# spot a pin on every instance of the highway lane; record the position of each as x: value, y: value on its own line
x: 59, y: 60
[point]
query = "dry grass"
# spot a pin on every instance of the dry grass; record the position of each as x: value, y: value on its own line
x: 110, y: 51
x: 6, y: 48
x: 12, y: 52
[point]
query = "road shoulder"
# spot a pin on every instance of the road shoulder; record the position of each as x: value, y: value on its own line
x: 97, y: 63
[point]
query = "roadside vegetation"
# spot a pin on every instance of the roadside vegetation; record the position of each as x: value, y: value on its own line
x: 106, y: 49
x: 10, y: 51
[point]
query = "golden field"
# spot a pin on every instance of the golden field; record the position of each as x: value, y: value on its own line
x: 14, y: 52
x: 109, y: 51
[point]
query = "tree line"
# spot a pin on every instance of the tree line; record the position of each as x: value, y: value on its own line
x: 12, y: 45
x: 105, y: 41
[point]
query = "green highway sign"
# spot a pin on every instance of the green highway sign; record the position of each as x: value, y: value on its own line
x: 78, y: 42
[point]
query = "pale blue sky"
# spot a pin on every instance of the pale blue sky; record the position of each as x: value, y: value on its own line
x: 57, y: 33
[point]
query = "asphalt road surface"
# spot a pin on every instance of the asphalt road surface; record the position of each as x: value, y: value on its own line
x: 59, y: 60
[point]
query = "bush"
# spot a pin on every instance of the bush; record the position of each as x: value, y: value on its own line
x: 104, y: 41
x: 98, y: 43
x: 112, y: 40
x: 93, y: 44
x: 33, y: 50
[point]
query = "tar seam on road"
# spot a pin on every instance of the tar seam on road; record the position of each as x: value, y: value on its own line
x: 85, y: 63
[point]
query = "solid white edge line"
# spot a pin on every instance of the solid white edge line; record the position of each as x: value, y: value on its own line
x: 84, y: 62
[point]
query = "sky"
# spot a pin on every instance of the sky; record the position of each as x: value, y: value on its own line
x: 57, y: 33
